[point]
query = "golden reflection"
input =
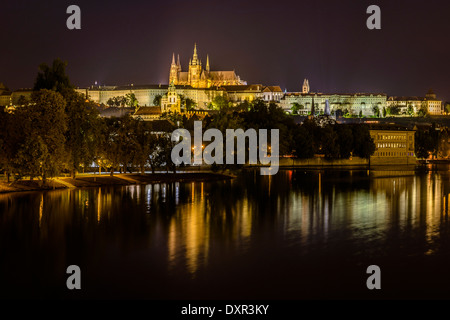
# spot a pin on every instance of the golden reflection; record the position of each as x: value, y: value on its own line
x: 41, y: 209
x: 320, y: 183
x: 190, y: 229
x: 172, y: 243
x: 246, y: 220
x: 201, y: 195
x: 99, y: 204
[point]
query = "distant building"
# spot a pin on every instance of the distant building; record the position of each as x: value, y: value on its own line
x: 394, y: 145
x: 305, y: 87
x: 21, y: 96
x: 272, y: 93
x: 18, y: 97
x: 353, y: 103
x: 5, y: 96
x: 197, y: 77
x: 408, y: 105
x: 433, y: 105
x: 147, y: 113
x: 146, y: 94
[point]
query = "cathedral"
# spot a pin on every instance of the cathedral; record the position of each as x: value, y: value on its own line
x: 197, y: 77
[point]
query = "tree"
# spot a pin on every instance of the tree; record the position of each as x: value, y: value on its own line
x: 10, y: 138
x: 121, y: 149
x: 447, y: 108
x: 219, y: 103
x: 269, y: 116
x: 165, y: 152
x: 31, y: 157
x: 83, y: 132
x: 53, y: 78
x: 189, y: 104
x: 122, y: 101
x: 44, y: 124
x: 131, y: 100
x: 156, y: 157
x: 423, y: 144
x: 303, y: 143
x: 295, y: 107
x: 339, y: 113
x: 394, y: 110
x: 329, y: 143
x: 345, y: 140
x: 376, y: 111
x: 22, y: 101
x: 363, y: 144
x: 157, y: 100
x: 114, y: 102
x: 384, y: 112
x: 175, y: 117
x: 410, y: 110
x: 360, y: 113
x: 423, y: 111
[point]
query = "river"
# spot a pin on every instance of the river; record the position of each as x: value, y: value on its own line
x: 300, y: 234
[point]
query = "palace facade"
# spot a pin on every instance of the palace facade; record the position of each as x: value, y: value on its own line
x: 146, y: 94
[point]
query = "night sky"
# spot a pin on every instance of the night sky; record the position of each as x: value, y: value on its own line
x: 267, y: 42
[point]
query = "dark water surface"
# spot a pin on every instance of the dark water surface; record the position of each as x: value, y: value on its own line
x: 296, y: 235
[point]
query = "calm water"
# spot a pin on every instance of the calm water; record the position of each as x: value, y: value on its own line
x: 296, y: 235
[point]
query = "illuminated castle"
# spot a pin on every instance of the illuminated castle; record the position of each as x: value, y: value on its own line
x: 197, y: 77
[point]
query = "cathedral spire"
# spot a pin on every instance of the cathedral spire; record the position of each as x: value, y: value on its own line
x: 207, y: 62
x: 195, y: 56
x: 178, y: 61
x: 173, y: 58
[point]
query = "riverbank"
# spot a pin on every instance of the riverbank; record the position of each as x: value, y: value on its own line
x: 95, y: 180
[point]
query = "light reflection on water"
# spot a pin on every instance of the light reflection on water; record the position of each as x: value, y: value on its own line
x: 195, y: 232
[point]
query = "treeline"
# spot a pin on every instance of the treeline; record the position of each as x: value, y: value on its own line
x: 317, y: 136
x: 59, y: 131
x: 431, y: 141
x: 56, y: 133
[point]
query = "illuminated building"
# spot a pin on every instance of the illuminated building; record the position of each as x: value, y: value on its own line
x: 147, y: 113
x: 171, y: 101
x: 394, y: 145
x: 146, y: 94
x: 197, y: 77
x: 353, y: 103
x: 408, y: 105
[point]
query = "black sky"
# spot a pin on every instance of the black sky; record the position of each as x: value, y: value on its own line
x: 268, y: 42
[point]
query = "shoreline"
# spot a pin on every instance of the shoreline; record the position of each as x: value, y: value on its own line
x: 122, y: 179
x: 95, y: 180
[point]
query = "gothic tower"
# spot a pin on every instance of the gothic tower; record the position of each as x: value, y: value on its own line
x: 178, y: 64
x: 174, y: 69
x: 305, y: 88
x: 195, y: 69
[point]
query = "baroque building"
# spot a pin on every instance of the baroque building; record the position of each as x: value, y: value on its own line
x: 197, y: 77
x: 171, y: 101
